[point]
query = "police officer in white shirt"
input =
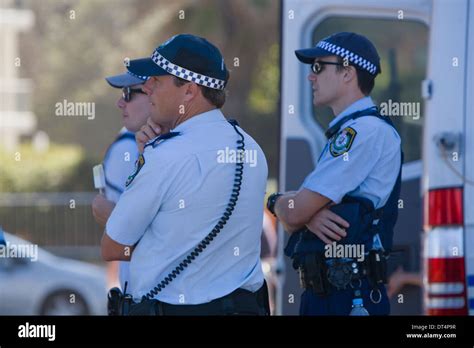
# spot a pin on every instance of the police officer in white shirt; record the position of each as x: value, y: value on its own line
x: 190, y: 219
x: 359, y: 170
x: 120, y: 157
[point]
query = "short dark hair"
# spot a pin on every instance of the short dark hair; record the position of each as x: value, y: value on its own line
x: 365, y: 80
x: 215, y: 96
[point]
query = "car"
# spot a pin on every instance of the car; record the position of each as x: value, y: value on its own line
x: 40, y: 283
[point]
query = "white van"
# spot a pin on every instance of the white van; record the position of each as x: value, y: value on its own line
x: 428, y: 88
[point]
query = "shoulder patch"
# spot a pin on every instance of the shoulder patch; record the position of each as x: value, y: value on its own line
x: 138, y: 166
x: 342, y: 142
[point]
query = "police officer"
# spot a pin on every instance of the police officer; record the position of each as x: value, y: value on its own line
x: 121, y: 155
x: 190, y: 218
x: 351, y: 196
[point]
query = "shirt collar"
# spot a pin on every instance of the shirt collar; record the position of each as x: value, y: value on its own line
x: 214, y: 115
x: 361, y: 104
x: 125, y: 130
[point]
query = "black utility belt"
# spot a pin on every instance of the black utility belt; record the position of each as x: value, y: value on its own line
x: 323, y: 275
x: 240, y: 301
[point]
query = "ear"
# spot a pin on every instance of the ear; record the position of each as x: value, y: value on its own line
x: 191, y: 91
x: 350, y: 74
x: 147, y: 87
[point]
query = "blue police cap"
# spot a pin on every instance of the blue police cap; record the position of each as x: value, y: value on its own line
x: 125, y: 80
x: 189, y: 57
x: 356, y: 48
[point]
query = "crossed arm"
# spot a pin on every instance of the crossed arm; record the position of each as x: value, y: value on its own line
x: 307, y: 208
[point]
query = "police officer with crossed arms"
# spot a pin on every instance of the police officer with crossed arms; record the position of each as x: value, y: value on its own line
x: 189, y: 222
x: 351, y: 196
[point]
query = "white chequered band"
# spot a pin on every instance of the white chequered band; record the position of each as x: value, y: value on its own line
x: 353, y: 58
x: 186, y: 74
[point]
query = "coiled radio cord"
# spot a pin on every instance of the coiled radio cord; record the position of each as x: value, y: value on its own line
x: 239, y: 170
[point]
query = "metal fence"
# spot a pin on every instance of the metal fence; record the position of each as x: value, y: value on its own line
x: 61, y: 222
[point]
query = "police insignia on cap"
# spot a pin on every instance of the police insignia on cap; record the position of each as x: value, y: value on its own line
x: 138, y: 165
x: 342, y: 142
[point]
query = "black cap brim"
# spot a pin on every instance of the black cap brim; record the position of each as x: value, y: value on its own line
x: 307, y: 55
x: 145, y: 67
x: 123, y: 80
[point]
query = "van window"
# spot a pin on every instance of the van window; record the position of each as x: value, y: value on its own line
x: 402, y: 46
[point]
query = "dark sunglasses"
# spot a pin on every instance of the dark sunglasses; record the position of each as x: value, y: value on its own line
x: 317, y: 67
x: 127, y: 93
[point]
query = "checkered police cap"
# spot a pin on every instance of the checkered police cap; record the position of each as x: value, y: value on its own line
x: 353, y: 58
x: 186, y: 74
x: 356, y: 48
x: 188, y: 57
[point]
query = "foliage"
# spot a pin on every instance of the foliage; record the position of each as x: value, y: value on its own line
x: 74, y: 44
x: 263, y: 97
x: 27, y: 170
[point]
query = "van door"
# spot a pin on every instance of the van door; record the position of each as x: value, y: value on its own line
x: 469, y: 186
x: 448, y: 170
x: 399, y: 30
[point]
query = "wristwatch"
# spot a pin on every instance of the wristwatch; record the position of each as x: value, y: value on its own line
x: 271, y: 201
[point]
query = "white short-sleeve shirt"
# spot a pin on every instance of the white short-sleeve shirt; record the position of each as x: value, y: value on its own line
x: 119, y: 163
x: 361, y: 160
x: 176, y: 199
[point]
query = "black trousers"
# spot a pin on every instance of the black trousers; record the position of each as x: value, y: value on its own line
x: 238, y: 302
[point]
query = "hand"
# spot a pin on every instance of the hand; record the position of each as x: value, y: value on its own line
x: 101, y: 209
x: 396, y: 282
x: 325, y: 224
x: 149, y: 130
x: 400, y: 278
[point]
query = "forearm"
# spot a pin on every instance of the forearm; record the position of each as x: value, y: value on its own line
x: 413, y: 278
x: 113, y: 251
x: 291, y: 228
x: 284, y: 208
x: 295, y: 209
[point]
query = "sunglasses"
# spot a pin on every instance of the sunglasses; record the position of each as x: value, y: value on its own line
x: 317, y: 67
x: 127, y: 93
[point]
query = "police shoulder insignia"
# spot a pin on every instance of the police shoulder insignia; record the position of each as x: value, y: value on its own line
x: 342, y: 142
x: 138, y: 165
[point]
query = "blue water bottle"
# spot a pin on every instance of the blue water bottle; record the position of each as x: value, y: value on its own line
x: 2, y: 237
x: 358, y: 307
